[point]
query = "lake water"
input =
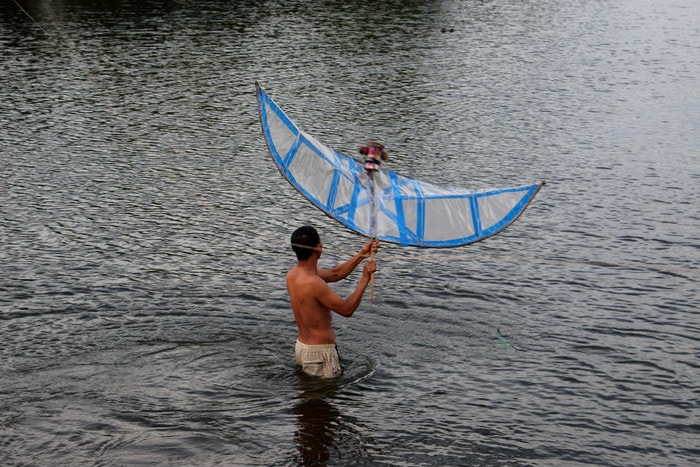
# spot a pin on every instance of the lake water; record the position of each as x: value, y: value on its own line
x: 144, y: 233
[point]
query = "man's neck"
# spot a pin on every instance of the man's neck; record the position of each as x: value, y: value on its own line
x: 310, y: 265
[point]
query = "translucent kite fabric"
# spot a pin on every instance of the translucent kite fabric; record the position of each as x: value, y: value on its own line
x: 405, y: 211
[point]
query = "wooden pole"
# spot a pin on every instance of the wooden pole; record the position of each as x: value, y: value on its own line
x: 372, y: 228
x: 371, y: 282
x: 374, y: 152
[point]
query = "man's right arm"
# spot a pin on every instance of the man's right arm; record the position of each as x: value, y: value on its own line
x: 347, y: 307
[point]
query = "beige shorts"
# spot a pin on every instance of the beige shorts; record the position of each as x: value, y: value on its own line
x: 318, y: 360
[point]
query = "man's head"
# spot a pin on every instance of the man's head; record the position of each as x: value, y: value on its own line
x: 304, y: 242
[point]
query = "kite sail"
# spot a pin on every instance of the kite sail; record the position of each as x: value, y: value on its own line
x: 384, y: 204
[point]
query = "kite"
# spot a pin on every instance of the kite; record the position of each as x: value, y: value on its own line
x: 382, y: 204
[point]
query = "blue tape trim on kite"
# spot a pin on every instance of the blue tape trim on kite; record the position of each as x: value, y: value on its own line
x: 266, y: 126
x: 345, y: 213
x: 356, y: 190
x: 364, y: 201
x: 389, y: 214
x: 266, y: 132
x: 333, y: 189
x: 327, y: 204
x: 476, y: 216
x: 292, y: 153
x: 268, y: 104
x: 279, y: 112
x: 420, y: 212
x: 398, y: 204
x: 413, y: 233
x: 514, y: 213
x: 278, y: 158
x: 498, y: 191
x: 265, y: 108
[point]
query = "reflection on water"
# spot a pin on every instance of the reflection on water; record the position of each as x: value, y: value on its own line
x: 144, y: 233
x: 318, y: 430
x: 322, y: 433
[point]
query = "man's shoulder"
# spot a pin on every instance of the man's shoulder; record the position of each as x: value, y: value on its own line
x: 301, y: 276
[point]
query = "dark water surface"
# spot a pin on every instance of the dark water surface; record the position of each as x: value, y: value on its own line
x: 144, y: 230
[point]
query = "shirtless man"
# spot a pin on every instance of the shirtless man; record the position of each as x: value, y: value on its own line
x: 313, y: 300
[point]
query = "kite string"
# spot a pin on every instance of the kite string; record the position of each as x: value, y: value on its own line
x: 30, y: 17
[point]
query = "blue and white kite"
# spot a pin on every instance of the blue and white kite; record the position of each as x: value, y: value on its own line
x: 380, y: 203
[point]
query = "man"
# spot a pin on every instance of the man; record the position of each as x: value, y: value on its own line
x: 313, y: 300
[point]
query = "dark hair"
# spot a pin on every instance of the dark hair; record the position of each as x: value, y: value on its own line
x: 304, y: 240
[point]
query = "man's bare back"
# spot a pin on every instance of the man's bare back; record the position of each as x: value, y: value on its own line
x: 313, y: 318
